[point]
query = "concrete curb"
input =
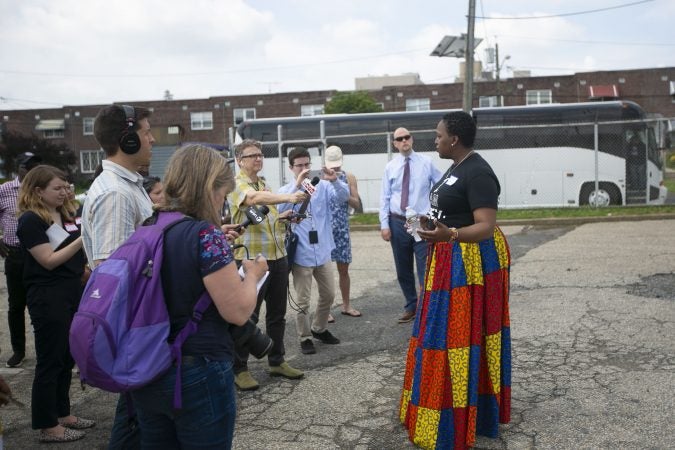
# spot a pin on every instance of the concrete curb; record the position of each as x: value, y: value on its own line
x: 554, y: 221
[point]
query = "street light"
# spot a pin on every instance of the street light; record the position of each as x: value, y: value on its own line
x: 455, y: 47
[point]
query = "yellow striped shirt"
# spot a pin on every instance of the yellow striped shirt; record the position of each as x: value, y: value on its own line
x: 266, y: 237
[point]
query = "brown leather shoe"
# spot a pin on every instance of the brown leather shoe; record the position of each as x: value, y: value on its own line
x: 406, y: 317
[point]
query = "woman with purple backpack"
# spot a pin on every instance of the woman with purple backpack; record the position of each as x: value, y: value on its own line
x: 54, y: 262
x: 198, y: 258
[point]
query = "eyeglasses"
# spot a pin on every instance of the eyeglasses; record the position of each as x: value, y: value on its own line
x: 303, y: 166
x: 253, y: 155
x: 402, y: 138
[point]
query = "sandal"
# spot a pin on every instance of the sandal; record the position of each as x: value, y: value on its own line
x: 351, y: 313
x: 331, y: 319
x: 69, y: 435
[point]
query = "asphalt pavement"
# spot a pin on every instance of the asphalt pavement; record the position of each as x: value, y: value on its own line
x: 592, y: 322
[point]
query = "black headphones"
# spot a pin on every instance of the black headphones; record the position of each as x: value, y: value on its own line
x: 130, y: 141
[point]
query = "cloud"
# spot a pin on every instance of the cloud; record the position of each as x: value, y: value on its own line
x: 105, y: 51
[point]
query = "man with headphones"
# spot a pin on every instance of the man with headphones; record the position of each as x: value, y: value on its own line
x: 115, y: 205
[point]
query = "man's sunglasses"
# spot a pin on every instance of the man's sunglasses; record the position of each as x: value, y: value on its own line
x: 402, y: 138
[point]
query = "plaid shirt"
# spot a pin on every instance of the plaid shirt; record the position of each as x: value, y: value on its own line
x: 9, y: 194
x: 268, y: 236
x: 115, y: 205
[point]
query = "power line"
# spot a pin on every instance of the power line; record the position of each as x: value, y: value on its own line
x: 217, y: 72
x: 578, y: 41
x: 23, y: 100
x: 578, y: 13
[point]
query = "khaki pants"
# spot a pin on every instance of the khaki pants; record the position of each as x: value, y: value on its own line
x: 302, y: 281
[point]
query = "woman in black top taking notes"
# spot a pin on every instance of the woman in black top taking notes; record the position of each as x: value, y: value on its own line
x: 54, y: 262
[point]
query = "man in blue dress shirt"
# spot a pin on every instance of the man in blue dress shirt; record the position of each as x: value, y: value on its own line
x: 406, y: 182
x: 313, y: 253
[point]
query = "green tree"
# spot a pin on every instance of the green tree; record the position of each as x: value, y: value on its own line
x: 12, y: 144
x: 352, y: 102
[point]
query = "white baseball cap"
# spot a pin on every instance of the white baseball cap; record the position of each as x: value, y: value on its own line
x: 333, y: 157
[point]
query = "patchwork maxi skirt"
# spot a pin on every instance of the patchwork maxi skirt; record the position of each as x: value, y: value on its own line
x: 458, y: 371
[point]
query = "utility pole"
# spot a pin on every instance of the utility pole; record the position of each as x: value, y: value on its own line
x: 498, y: 69
x: 468, y: 72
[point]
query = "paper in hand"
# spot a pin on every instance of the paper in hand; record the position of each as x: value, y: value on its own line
x: 242, y: 274
x: 56, y: 235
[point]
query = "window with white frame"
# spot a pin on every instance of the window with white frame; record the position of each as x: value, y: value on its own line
x: 89, y: 160
x: 201, y: 120
x: 417, y: 104
x: 87, y: 126
x: 53, y: 134
x: 241, y: 114
x: 538, y: 97
x: 311, y: 110
x: 490, y: 101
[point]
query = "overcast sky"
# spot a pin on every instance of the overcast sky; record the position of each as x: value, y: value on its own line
x: 74, y: 52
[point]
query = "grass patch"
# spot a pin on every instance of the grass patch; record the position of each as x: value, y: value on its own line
x: 670, y: 184
x: 670, y: 159
x: 546, y: 213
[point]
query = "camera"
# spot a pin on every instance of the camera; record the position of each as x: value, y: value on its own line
x: 249, y: 337
x: 314, y: 174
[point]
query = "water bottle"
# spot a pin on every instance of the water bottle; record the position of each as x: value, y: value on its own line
x: 412, y: 223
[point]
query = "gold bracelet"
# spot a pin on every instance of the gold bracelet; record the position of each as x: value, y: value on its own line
x: 454, y: 234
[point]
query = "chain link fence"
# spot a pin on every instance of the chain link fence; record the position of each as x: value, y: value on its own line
x: 604, y: 163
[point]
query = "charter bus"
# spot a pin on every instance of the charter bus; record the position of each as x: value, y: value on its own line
x: 551, y: 155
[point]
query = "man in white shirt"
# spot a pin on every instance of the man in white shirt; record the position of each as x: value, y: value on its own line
x: 406, y: 183
x: 116, y: 204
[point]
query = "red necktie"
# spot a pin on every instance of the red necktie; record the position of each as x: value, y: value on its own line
x: 405, y: 186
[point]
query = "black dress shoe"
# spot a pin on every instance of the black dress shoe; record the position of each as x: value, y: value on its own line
x: 326, y: 337
x: 307, y: 347
x: 16, y: 360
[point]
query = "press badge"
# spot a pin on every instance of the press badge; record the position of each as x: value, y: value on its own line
x: 450, y: 181
x: 70, y: 227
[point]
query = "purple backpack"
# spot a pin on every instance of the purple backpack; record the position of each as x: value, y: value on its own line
x: 118, y: 337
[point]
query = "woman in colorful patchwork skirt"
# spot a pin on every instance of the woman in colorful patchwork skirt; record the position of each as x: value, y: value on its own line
x: 458, y: 371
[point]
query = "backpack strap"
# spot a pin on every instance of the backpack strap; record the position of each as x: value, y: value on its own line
x: 166, y: 220
x: 176, y: 348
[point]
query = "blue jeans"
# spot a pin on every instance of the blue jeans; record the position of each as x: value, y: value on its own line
x: 125, y: 434
x: 209, y: 408
x: 405, y: 249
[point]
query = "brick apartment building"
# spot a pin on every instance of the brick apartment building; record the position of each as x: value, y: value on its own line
x: 209, y: 119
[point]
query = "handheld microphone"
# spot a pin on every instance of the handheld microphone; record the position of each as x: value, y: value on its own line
x: 309, y: 190
x: 253, y: 216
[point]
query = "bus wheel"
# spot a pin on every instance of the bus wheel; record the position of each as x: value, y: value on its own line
x: 607, y: 194
x: 599, y: 198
